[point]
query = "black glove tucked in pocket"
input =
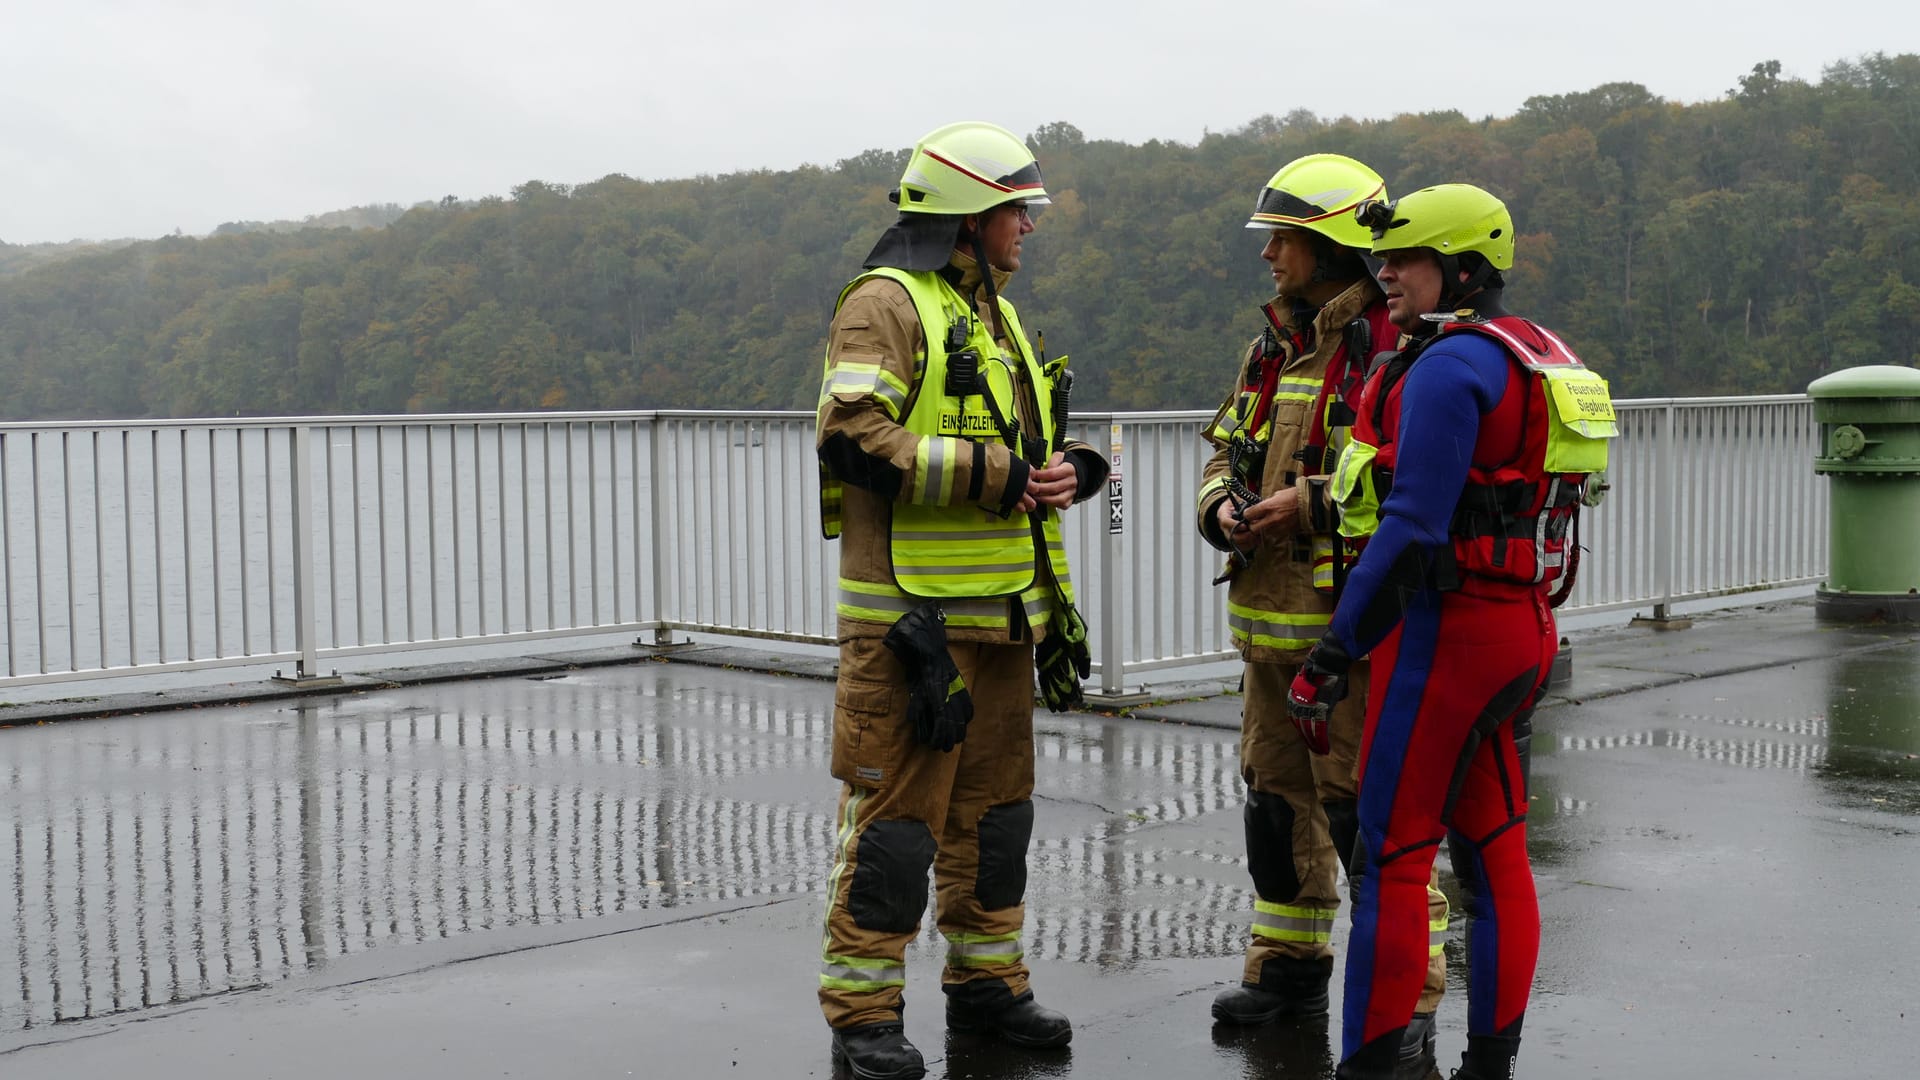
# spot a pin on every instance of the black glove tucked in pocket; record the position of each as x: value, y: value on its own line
x: 938, y: 704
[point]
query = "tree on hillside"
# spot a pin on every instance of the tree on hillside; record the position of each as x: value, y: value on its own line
x: 1742, y: 245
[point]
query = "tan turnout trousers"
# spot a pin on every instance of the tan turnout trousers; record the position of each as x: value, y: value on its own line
x: 1274, y: 760
x: 968, y: 814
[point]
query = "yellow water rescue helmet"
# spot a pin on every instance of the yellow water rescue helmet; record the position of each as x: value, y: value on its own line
x: 1452, y: 219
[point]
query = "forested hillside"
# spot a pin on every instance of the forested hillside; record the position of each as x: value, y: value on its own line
x: 20, y: 258
x: 1744, y: 245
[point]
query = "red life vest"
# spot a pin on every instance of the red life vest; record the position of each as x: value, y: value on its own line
x: 1515, y: 518
x: 1532, y: 457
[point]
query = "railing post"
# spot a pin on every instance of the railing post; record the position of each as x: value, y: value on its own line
x: 1666, y: 545
x: 1669, y: 510
x: 1113, y: 620
x: 306, y: 630
x: 662, y: 633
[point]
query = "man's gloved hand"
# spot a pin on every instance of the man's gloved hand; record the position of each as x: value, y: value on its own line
x: 1320, y: 685
x: 938, y: 704
x: 1062, y: 660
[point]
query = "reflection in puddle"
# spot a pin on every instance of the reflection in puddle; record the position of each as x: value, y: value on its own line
x: 1744, y: 753
x: 1293, y: 1049
x: 1873, y: 708
x: 164, y: 859
x: 978, y: 1057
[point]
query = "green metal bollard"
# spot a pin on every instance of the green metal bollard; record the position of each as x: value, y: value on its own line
x: 1870, y: 452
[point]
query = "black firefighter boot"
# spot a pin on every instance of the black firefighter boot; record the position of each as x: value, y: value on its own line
x: 1408, y: 1058
x: 1488, y: 1057
x: 1417, y: 1061
x: 1021, y: 1020
x: 877, y: 1052
x: 1289, y: 986
x: 1343, y: 826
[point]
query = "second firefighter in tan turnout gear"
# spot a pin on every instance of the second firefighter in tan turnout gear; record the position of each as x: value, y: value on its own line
x: 944, y: 474
x: 1263, y: 499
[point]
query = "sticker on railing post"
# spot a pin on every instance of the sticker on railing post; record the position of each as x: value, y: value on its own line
x: 1116, y: 490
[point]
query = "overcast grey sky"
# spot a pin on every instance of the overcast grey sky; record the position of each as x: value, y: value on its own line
x: 136, y: 117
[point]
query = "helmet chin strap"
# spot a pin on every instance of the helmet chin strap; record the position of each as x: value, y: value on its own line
x: 1323, y: 256
x: 1454, y: 293
x: 986, y: 279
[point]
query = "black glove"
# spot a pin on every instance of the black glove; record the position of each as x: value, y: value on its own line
x: 1320, y: 685
x: 938, y: 704
x: 1062, y: 660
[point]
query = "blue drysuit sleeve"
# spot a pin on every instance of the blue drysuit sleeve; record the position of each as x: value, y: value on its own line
x: 1454, y: 382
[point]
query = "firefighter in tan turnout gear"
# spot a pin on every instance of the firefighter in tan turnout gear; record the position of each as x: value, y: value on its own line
x: 943, y: 472
x: 1263, y: 499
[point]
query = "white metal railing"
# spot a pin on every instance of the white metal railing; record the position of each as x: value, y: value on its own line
x: 129, y: 548
x: 1710, y: 497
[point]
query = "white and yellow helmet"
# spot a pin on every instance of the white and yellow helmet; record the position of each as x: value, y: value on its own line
x: 967, y: 168
x: 1318, y: 193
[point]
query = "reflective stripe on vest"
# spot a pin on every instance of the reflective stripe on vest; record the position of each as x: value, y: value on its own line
x: 1436, y: 921
x: 868, y: 601
x: 1246, y: 407
x: 1276, y: 629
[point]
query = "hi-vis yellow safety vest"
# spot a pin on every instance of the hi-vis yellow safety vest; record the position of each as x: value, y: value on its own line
x: 958, y: 552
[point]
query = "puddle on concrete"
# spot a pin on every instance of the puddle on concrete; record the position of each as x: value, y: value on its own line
x: 166, y: 858
x: 1873, y: 717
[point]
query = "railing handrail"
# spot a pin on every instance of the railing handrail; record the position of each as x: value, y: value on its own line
x: 397, y: 419
x: 470, y: 518
x: 401, y: 419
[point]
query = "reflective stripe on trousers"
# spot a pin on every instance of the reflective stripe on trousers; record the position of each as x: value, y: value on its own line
x: 851, y: 972
x: 861, y: 973
x: 1284, y: 922
x: 977, y: 950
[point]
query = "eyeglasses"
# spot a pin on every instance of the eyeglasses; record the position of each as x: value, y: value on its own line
x: 1021, y: 211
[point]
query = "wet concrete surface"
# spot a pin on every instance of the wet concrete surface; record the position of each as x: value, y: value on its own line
x: 615, y: 871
